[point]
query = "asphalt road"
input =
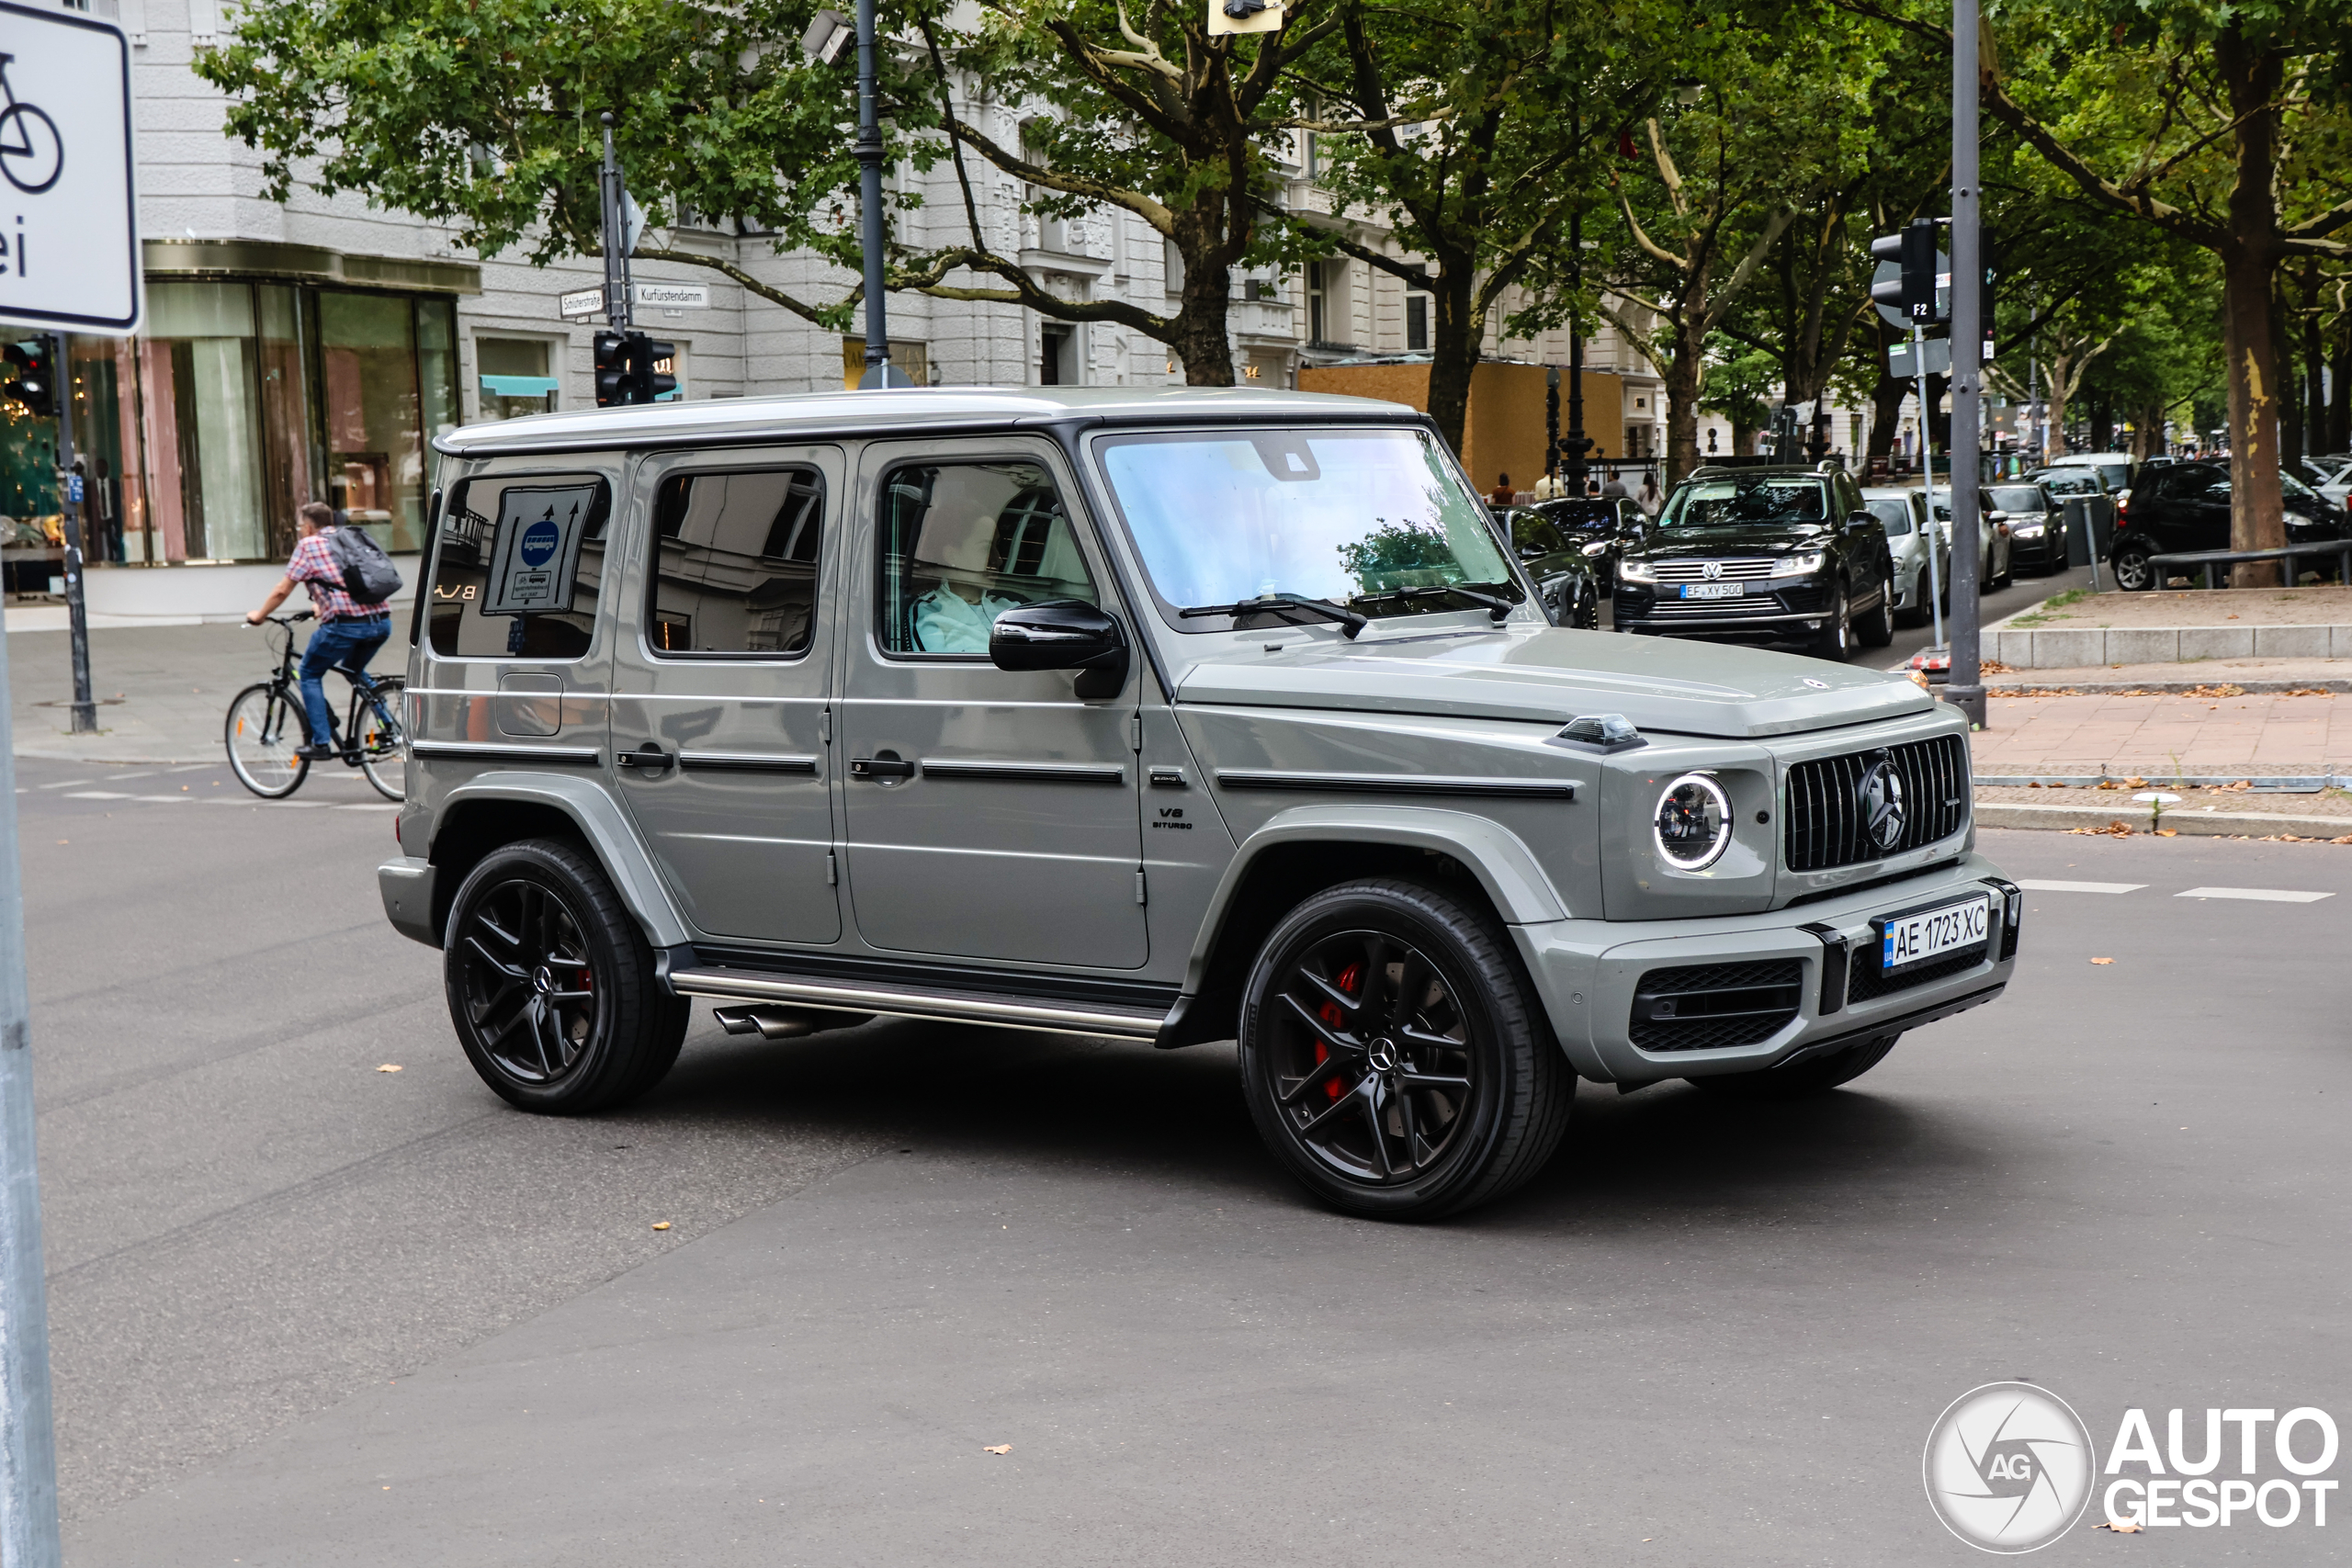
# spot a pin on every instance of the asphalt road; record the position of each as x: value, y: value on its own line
x: 310, y: 1313
x: 2023, y: 594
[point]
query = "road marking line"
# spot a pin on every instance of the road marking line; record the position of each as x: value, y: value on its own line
x: 119, y: 778
x: 162, y: 799
x: 2264, y: 895
x: 99, y: 794
x: 64, y: 784
x: 372, y: 806
x: 2080, y: 886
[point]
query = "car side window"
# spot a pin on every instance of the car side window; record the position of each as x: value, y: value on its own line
x: 1532, y: 533
x: 517, y: 571
x: 961, y: 544
x: 735, y: 562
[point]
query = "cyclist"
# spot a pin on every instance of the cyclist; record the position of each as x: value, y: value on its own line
x: 348, y: 634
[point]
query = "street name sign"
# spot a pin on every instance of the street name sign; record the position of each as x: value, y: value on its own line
x: 1900, y: 365
x: 585, y: 303
x: 673, y: 296
x: 69, y: 210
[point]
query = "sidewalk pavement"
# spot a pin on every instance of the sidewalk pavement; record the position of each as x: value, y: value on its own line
x: 163, y: 690
x: 2119, y: 735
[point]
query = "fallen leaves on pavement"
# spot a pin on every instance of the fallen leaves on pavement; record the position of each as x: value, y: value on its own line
x: 2102, y: 959
x: 661, y: 1225
x: 998, y: 1449
x: 390, y: 1067
x: 2112, y: 831
x: 2126, y: 1528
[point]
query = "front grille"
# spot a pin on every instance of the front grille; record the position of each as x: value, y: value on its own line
x: 1706, y: 1007
x: 1823, y: 810
x: 1717, y: 609
x: 1726, y: 571
x: 1869, y: 980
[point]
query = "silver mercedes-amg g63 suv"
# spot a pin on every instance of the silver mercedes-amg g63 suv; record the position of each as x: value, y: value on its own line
x: 1164, y: 715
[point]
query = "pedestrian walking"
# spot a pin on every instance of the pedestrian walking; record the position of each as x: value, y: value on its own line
x: 1649, y: 500
x: 350, y: 629
x: 1502, y: 494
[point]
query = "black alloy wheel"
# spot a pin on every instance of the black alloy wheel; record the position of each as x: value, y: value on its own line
x: 1816, y: 1076
x: 1394, y: 1057
x: 1835, y: 641
x: 2134, y: 573
x: 1877, y: 628
x: 552, y: 985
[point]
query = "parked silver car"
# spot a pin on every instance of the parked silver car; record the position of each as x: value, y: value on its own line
x: 1155, y: 714
x: 1904, y: 513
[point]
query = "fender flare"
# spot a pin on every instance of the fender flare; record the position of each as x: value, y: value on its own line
x: 601, y: 821
x: 1501, y: 861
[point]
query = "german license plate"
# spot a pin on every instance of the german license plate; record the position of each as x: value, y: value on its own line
x: 1930, y: 933
x: 1714, y: 590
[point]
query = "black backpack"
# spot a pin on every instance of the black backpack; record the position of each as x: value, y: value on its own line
x: 368, y: 575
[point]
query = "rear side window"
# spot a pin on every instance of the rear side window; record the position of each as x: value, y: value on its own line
x: 1896, y: 514
x: 517, y: 571
x: 961, y: 544
x: 735, y: 562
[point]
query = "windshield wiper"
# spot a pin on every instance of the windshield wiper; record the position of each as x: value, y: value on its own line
x: 1275, y: 604
x: 1496, y: 609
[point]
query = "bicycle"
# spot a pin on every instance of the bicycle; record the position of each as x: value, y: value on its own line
x: 265, y: 726
x: 28, y: 132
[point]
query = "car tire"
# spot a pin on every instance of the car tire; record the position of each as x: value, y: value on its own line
x: 2134, y: 571
x: 1816, y: 1076
x: 551, y: 984
x: 1877, y: 628
x: 1380, y: 1012
x: 1835, y: 641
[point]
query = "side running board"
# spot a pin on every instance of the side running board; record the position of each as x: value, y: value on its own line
x: 919, y: 1001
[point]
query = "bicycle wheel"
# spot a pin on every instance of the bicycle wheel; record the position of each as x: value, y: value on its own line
x: 383, y: 744
x: 265, y: 727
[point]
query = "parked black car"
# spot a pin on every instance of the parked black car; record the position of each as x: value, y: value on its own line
x: 1768, y: 553
x: 1567, y: 569
x: 2186, y: 506
x: 1607, y: 521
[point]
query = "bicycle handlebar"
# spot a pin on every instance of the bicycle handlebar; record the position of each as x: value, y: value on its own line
x: 290, y: 620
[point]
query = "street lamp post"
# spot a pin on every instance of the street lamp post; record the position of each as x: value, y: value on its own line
x: 1965, y: 688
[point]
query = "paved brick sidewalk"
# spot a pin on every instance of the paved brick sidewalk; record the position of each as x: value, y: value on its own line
x: 164, y: 690
x: 2104, y: 732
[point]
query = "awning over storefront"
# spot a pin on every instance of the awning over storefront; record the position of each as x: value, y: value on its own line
x: 519, y: 386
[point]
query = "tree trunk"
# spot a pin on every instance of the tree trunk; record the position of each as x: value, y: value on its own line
x: 2147, y: 432
x: 2102, y: 424
x: 1454, y: 348
x: 2339, y: 408
x: 1886, y: 412
x: 2248, y: 261
x: 1682, y: 375
x: 1198, y: 334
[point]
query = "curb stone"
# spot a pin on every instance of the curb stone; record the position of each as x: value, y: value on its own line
x: 2189, y: 824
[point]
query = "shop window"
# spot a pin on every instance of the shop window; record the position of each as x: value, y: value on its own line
x: 517, y: 571
x: 516, y: 378
x: 735, y: 562
x: 375, y: 468
x: 962, y: 543
x: 199, y: 366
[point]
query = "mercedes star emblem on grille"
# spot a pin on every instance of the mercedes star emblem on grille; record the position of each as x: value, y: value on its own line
x: 1880, y: 798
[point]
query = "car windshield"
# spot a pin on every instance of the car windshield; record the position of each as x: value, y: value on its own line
x: 1221, y: 517
x: 2082, y: 481
x: 1745, y: 503
x: 1896, y: 514
x: 2018, y: 497
x: 2294, y: 488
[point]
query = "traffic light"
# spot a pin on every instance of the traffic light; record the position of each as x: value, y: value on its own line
x: 652, y: 367
x: 612, y: 370
x: 1914, y: 249
x: 32, y: 375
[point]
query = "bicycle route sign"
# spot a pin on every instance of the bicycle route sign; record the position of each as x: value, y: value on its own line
x: 69, y: 209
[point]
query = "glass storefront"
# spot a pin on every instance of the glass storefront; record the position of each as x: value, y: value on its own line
x: 202, y: 437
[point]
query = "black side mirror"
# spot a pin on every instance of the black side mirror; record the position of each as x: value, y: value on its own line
x: 1860, y: 519
x: 1064, y: 634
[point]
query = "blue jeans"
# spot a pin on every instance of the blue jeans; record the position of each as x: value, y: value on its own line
x: 347, y: 645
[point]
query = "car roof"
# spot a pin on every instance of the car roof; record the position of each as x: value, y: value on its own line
x: 2076, y: 459
x: 931, y: 409
x: 1759, y: 470
x: 1888, y: 492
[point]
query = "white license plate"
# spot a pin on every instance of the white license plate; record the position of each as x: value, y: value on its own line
x: 1914, y: 939
x: 1714, y: 590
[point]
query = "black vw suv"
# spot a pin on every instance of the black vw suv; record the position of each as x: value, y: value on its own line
x: 1778, y: 554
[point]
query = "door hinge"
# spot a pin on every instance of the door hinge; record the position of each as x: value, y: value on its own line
x: 832, y: 870
x: 1135, y: 731
x: 1139, y: 889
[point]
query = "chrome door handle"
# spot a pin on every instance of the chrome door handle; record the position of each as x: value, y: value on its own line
x: 649, y: 757
x: 880, y: 768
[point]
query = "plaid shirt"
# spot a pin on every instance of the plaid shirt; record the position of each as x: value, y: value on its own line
x: 313, y: 566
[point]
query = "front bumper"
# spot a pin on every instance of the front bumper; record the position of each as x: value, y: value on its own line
x: 406, y: 888
x: 1588, y: 973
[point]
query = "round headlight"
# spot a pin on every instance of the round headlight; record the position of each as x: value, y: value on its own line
x: 1693, y: 822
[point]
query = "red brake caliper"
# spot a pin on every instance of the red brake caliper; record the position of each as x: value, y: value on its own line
x: 1330, y: 1013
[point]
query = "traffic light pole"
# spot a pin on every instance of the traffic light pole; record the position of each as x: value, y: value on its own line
x: 869, y: 197
x: 77, y: 614
x: 1928, y: 473
x: 1965, y: 689
x: 612, y: 193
